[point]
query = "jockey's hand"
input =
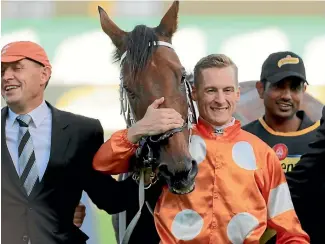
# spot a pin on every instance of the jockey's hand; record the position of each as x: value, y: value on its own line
x: 79, y: 215
x: 155, y: 121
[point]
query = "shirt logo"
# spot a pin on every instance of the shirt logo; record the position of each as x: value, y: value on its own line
x: 281, y: 150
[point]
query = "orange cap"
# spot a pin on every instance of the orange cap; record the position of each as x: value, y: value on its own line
x: 16, y: 51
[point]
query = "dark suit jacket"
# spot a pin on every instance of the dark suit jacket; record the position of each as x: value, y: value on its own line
x: 46, y: 216
x: 307, y: 187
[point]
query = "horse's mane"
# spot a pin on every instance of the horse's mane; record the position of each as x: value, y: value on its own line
x: 138, y: 49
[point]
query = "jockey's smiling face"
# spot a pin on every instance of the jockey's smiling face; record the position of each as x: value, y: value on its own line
x: 216, y: 93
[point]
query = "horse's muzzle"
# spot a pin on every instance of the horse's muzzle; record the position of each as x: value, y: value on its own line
x: 181, y: 182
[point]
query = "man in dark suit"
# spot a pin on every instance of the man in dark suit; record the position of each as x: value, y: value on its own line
x: 307, y: 186
x: 46, y: 157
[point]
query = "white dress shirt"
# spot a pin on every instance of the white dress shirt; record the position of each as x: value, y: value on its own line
x: 40, y: 129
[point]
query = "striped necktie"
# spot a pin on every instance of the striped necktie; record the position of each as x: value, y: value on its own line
x: 28, y: 172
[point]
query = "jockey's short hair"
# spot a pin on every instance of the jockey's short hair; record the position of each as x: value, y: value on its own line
x: 214, y: 61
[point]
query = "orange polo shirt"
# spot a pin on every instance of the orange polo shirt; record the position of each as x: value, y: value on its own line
x: 240, y: 190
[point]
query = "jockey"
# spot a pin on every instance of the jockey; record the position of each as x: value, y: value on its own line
x: 240, y: 189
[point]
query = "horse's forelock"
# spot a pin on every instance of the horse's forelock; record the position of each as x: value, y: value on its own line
x: 138, y: 49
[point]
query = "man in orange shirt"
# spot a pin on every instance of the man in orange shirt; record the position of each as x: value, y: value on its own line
x: 240, y: 189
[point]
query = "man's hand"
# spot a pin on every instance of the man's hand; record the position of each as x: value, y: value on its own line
x: 155, y: 121
x: 79, y: 215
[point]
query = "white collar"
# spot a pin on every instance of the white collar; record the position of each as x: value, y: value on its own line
x: 38, y: 115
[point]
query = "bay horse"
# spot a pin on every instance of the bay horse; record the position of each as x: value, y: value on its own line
x: 150, y: 69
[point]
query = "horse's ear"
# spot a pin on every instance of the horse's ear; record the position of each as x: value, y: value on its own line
x: 168, y: 24
x: 111, y: 29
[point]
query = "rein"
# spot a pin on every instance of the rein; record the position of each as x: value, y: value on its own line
x: 147, y: 152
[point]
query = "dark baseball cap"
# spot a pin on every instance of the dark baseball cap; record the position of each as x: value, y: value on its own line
x: 281, y: 65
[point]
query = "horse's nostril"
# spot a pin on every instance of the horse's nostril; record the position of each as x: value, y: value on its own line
x: 194, y: 163
x: 189, y: 172
x: 163, y: 169
x: 194, y: 170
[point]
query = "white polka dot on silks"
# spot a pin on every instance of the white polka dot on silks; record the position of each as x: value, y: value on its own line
x: 244, y: 156
x: 198, y: 148
x: 240, y: 227
x: 187, y: 224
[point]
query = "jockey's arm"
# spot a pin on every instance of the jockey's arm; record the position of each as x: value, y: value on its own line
x: 114, y: 155
x: 281, y: 214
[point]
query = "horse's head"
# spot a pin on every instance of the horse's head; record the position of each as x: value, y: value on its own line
x: 151, y: 69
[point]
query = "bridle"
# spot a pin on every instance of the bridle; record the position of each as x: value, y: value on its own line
x: 147, y: 153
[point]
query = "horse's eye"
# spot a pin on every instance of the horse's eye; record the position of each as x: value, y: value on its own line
x: 183, y: 78
x: 130, y: 93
